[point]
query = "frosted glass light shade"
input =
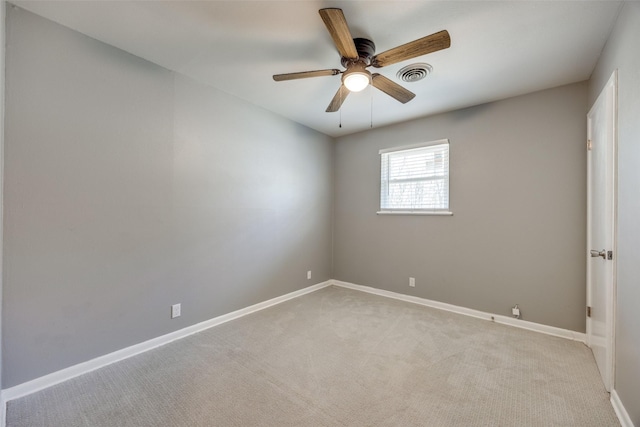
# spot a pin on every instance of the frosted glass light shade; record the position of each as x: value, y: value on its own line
x: 357, y: 81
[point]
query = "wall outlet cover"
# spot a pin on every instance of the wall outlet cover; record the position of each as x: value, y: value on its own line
x: 175, y: 311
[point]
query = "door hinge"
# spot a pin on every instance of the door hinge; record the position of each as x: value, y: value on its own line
x: 609, y: 255
x: 589, y: 145
x: 588, y: 311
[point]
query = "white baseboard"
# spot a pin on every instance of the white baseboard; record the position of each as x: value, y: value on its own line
x: 57, y: 377
x: 497, y: 318
x: 621, y: 412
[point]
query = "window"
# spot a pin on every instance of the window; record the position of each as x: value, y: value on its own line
x: 415, y: 179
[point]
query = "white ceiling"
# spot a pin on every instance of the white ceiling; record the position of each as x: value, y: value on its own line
x: 498, y: 49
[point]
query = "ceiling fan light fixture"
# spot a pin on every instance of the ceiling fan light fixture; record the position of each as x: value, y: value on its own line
x: 356, y: 79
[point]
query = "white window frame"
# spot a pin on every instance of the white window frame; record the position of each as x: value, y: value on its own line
x: 384, y: 182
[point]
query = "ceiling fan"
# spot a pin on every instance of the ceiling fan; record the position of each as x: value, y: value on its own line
x: 358, y: 54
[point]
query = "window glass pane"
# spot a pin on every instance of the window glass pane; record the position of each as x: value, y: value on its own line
x: 418, y: 195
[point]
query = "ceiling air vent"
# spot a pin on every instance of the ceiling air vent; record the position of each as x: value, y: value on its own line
x: 414, y: 72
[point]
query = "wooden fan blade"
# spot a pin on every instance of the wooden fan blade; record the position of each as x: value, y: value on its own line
x: 305, y: 74
x: 338, y: 99
x: 336, y: 23
x: 428, y: 44
x: 391, y: 88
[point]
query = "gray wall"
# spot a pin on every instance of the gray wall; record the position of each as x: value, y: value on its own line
x: 129, y: 188
x: 621, y: 52
x: 518, y: 194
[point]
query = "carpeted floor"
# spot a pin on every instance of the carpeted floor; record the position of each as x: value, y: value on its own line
x: 338, y: 357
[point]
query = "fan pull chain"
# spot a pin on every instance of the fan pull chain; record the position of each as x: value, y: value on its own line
x: 371, y: 92
x: 340, y: 110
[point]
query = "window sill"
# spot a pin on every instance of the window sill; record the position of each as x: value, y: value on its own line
x: 437, y: 213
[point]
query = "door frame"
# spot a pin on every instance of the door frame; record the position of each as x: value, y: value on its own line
x: 609, y: 89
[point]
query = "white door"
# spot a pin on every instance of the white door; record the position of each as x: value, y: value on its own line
x: 601, y: 191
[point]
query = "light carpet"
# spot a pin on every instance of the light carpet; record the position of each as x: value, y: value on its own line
x: 338, y: 357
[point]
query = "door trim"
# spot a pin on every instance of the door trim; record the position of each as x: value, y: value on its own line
x: 612, y: 87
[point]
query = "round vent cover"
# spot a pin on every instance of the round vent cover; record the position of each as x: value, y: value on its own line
x: 414, y: 72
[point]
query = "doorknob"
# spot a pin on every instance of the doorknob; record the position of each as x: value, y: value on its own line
x: 602, y: 253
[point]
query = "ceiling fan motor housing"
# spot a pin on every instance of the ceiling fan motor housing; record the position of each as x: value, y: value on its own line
x: 366, y: 49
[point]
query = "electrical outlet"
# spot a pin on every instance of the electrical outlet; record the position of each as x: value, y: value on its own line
x: 515, y: 311
x: 412, y: 282
x: 175, y: 311
x: 309, y: 275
